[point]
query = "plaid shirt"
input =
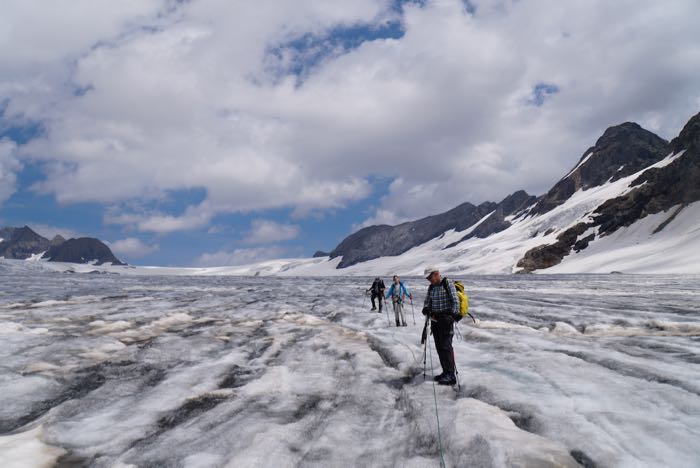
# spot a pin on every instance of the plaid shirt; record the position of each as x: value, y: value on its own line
x: 440, y: 302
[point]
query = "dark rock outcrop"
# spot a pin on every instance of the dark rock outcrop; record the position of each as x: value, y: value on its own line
x: 21, y: 243
x: 320, y: 253
x: 82, y: 250
x: 622, y: 151
x: 381, y: 241
x: 545, y: 256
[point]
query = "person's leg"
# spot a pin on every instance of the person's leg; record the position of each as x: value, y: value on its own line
x: 374, y: 307
x: 401, y: 313
x: 396, y: 313
x: 443, y: 333
x: 438, y: 339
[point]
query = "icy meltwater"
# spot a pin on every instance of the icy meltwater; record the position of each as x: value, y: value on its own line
x: 104, y: 370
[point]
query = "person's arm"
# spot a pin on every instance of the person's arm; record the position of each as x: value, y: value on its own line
x: 390, y: 292
x: 406, y: 291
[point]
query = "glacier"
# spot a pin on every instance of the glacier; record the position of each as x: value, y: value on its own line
x: 222, y: 371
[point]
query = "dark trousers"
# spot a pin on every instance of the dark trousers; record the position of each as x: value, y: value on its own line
x: 443, y: 331
x: 379, y: 298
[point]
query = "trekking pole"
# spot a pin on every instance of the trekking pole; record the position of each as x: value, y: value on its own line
x: 424, y: 342
x: 414, y: 312
x: 425, y: 353
x: 459, y: 385
x: 364, y: 300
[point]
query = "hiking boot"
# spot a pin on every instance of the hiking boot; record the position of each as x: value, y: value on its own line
x: 404, y: 325
x: 438, y: 377
x: 398, y: 324
x: 374, y: 308
x: 447, y: 379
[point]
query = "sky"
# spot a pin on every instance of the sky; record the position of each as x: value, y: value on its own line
x: 222, y: 132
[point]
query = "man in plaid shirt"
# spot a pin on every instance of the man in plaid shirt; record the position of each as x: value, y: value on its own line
x: 442, y: 304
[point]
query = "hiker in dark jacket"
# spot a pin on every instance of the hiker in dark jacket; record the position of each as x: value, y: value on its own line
x: 442, y: 305
x: 377, y: 290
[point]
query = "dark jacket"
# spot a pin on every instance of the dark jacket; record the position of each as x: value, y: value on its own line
x: 378, y: 287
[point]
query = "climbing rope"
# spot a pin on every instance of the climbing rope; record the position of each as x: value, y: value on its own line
x: 437, y: 414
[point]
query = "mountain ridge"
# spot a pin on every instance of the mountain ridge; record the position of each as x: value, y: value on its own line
x: 643, y: 174
x: 24, y: 243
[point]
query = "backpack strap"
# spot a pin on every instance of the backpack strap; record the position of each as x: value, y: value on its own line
x: 446, y: 285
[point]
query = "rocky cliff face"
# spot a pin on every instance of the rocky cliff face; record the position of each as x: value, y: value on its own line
x: 514, y: 204
x: 659, y: 189
x: 82, y: 250
x: 381, y: 241
x: 21, y: 243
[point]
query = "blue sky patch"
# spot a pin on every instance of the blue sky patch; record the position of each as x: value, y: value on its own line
x: 301, y: 55
x: 541, y: 92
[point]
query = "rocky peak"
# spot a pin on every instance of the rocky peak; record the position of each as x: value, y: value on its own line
x: 511, y: 205
x: 689, y: 138
x: 57, y: 240
x: 25, y: 234
x: 516, y: 202
x: 21, y: 243
x: 621, y: 151
x: 82, y: 250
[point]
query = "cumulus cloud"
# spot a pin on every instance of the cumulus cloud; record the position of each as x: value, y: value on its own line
x: 265, y: 231
x: 241, y: 256
x: 193, y: 217
x: 470, y: 104
x: 132, y: 247
x: 9, y: 165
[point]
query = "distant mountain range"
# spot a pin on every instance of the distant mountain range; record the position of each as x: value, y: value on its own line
x: 23, y: 243
x: 628, y: 179
x: 631, y: 204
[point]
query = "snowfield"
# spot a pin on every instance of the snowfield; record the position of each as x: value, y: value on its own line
x: 218, y: 371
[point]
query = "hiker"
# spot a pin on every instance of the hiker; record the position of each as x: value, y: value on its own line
x: 441, y: 306
x: 377, y: 290
x: 398, y: 292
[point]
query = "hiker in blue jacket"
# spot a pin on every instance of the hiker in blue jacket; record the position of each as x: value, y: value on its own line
x: 398, y: 291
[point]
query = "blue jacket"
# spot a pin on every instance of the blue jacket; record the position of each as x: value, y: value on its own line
x: 402, y: 287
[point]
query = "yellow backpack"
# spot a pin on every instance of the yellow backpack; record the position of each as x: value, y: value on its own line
x: 463, y: 299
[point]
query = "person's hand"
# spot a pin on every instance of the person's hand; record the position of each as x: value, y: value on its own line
x: 426, y: 310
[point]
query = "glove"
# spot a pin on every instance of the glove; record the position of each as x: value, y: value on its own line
x: 426, y: 310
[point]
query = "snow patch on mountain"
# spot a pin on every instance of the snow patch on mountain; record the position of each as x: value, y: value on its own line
x: 637, y: 249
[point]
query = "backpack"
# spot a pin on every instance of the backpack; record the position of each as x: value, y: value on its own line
x: 462, y: 297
